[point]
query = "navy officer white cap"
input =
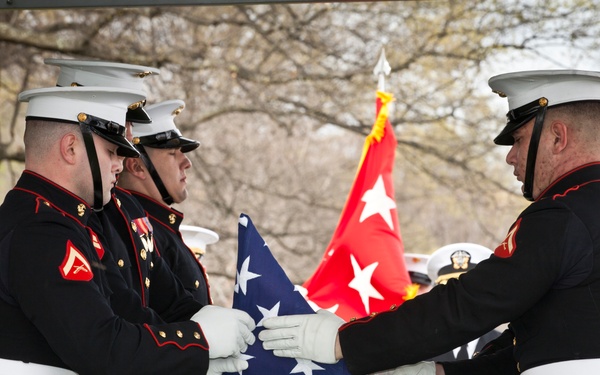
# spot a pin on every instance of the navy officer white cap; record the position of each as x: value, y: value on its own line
x: 162, y: 131
x: 555, y: 86
x: 454, y: 259
x: 101, y: 73
x: 197, y: 238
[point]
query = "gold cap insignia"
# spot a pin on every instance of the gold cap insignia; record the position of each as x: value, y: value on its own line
x: 460, y: 259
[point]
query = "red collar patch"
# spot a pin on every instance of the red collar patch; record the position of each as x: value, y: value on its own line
x: 75, y: 267
x: 507, y: 248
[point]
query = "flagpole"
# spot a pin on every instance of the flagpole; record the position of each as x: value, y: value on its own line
x: 382, y: 69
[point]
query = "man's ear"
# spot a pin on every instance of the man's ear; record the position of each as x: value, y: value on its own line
x: 70, y: 145
x: 560, y: 135
x: 135, y: 167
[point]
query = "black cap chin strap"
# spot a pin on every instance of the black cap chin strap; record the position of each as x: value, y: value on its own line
x: 533, y: 148
x: 154, y: 174
x: 88, y: 140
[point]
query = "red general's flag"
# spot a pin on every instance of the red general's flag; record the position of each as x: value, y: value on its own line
x: 363, y: 270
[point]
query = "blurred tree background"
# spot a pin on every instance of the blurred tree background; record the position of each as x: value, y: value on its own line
x: 282, y: 96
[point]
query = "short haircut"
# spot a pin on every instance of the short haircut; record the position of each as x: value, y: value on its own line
x: 42, y: 134
x: 583, y: 118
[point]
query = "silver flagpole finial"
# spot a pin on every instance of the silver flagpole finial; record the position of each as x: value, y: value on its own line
x: 381, y: 70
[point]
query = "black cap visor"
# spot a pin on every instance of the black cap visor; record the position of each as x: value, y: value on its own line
x: 168, y: 139
x: 517, y: 118
x: 138, y: 114
x: 125, y: 148
x: 112, y: 132
x: 419, y: 278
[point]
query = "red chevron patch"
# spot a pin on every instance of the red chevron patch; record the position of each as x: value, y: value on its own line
x: 507, y: 248
x: 97, y: 244
x: 75, y: 267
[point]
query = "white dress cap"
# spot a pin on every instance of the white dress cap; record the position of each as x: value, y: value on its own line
x: 66, y: 103
x: 196, y: 238
x: 558, y: 86
x: 101, y: 73
x: 442, y: 266
x: 416, y: 265
x: 106, y: 74
x: 162, y: 131
x: 530, y: 92
x: 163, y: 118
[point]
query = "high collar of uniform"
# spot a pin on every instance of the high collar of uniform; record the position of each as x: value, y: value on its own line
x: 167, y: 216
x: 580, y: 175
x: 55, y: 196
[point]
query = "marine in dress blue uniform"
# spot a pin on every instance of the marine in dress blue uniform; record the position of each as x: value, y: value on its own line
x: 227, y: 330
x: 55, y: 297
x: 151, y: 188
x: 127, y: 231
x: 544, y: 278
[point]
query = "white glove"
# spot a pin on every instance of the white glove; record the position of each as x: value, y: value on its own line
x: 228, y: 331
x: 309, y: 336
x: 218, y: 366
x: 419, y: 368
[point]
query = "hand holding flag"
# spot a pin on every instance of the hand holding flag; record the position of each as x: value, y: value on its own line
x: 228, y: 331
x: 311, y: 336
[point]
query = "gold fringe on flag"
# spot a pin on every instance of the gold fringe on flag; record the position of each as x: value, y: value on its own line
x: 378, y: 130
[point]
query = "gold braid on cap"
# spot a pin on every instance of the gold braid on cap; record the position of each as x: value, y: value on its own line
x: 178, y: 110
x: 136, y: 105
x: 143, y: 74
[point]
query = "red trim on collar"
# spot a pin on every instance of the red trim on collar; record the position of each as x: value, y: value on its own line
x: 57, y: 186
x: 543, y: 193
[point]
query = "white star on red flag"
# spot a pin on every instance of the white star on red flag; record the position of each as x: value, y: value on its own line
x: 378, y: 202
x: 362, y: 282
